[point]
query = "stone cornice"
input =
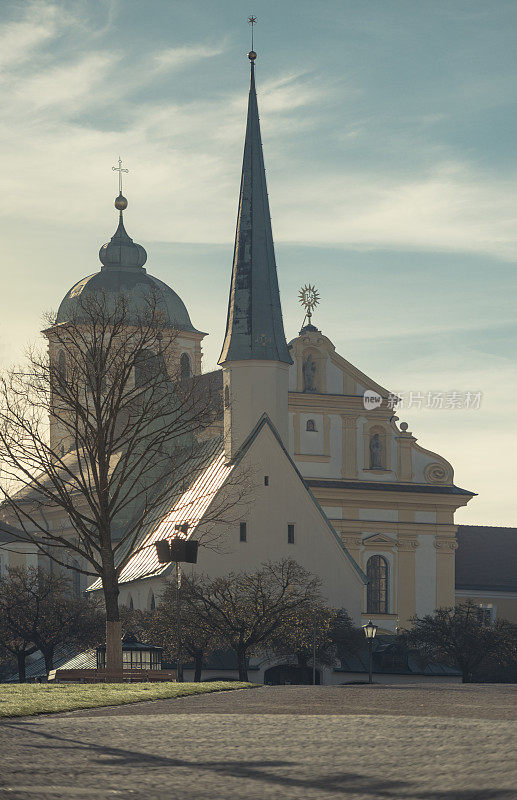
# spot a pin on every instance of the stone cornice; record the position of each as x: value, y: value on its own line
x: 335, y: 403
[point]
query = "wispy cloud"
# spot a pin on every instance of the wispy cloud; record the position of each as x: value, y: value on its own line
x: 20, y: 39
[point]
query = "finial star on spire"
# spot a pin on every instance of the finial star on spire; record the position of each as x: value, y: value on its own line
x: 120, y: 170
x: 252, y: 20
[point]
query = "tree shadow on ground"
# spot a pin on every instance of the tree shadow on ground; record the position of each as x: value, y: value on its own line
x: 340, y: 783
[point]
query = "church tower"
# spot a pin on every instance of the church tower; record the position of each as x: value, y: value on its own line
x: 255, y: 357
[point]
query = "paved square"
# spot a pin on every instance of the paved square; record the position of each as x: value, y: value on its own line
x: 436, y: 742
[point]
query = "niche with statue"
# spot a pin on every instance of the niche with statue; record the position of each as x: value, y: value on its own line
x: 376, y: 455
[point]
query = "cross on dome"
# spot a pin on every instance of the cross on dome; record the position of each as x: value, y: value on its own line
x: 120, y: 170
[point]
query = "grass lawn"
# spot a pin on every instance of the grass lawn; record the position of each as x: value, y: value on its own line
x: 17, y: 700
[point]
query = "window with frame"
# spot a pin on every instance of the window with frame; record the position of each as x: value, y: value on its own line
x: 377, y: 591
x: 243, y: 531
x: 311, y: 426
x: 290, y: 534
x: 185, y: 366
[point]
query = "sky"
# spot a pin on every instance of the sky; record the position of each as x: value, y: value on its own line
x: 390, y: 140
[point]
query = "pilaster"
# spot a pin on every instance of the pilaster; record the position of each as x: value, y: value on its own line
x: 406, y: 579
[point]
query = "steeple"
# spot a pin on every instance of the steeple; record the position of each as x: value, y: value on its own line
x: 255, y: 357
x: 254, y: 328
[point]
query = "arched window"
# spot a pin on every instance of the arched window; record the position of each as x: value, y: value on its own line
x: 131, y: 606
x: 377, y: 592
x: 185, y: 366
x: 227, y: 397
x: 153, y: 602
x: 311, y: 425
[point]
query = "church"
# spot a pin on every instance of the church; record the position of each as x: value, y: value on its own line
x: 340, y: 485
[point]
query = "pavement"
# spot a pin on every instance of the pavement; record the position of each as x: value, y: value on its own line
x: 403, y: 742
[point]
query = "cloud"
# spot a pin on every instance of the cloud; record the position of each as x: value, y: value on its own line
x: 83, y: 105
x: 19, y: 40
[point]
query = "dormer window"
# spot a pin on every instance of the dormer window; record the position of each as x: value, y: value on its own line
x: 311, y: 426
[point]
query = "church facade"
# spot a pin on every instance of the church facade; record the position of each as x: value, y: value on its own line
x: 340, y: 485
x: 335, y: 470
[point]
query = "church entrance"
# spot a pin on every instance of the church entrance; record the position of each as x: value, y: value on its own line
x: 284, y: 674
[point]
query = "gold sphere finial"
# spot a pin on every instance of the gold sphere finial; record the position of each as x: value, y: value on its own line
x: 252, y: 55
x: 121, y: 203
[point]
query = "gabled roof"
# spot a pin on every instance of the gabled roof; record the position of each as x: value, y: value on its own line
x: 194, y: 503
x: 486, y: 558
x: 265, y: 421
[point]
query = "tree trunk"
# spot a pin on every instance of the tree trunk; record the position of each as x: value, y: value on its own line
x: 48, y: 655
x: 113, y: 625
x: 466, y: 676
x: 198, y: 664
x: 20, y: 657
x: 243, y: 667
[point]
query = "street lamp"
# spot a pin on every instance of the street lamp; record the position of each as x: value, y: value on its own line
x: 369, y: 631
x: 178, y: 550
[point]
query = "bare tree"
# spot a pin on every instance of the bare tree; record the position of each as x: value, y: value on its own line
x: 308, y: 634
x: 37, y: 609
x: 106, y: 428
x: 12, y: 644
x: 247, y: 610
x: 198, y: 637
x: 460, y: 637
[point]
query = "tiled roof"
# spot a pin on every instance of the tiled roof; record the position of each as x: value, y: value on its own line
x: 486, y: 558
x: 189, y: 508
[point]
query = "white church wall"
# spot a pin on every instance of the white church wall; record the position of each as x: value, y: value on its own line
x: 334, y: 378
x: 267, y: 513
x: 425, y: 575
x: 312, y: 442
x: 292, y: 423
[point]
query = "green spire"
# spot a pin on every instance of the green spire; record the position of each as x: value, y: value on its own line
x: 254, y: 328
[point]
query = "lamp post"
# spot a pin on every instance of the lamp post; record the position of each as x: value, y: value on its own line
x: 369, y: 631
x: 178, y: 550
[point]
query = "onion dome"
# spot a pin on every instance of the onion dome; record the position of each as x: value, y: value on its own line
x: 121, y: 252
x: 123, y: 273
